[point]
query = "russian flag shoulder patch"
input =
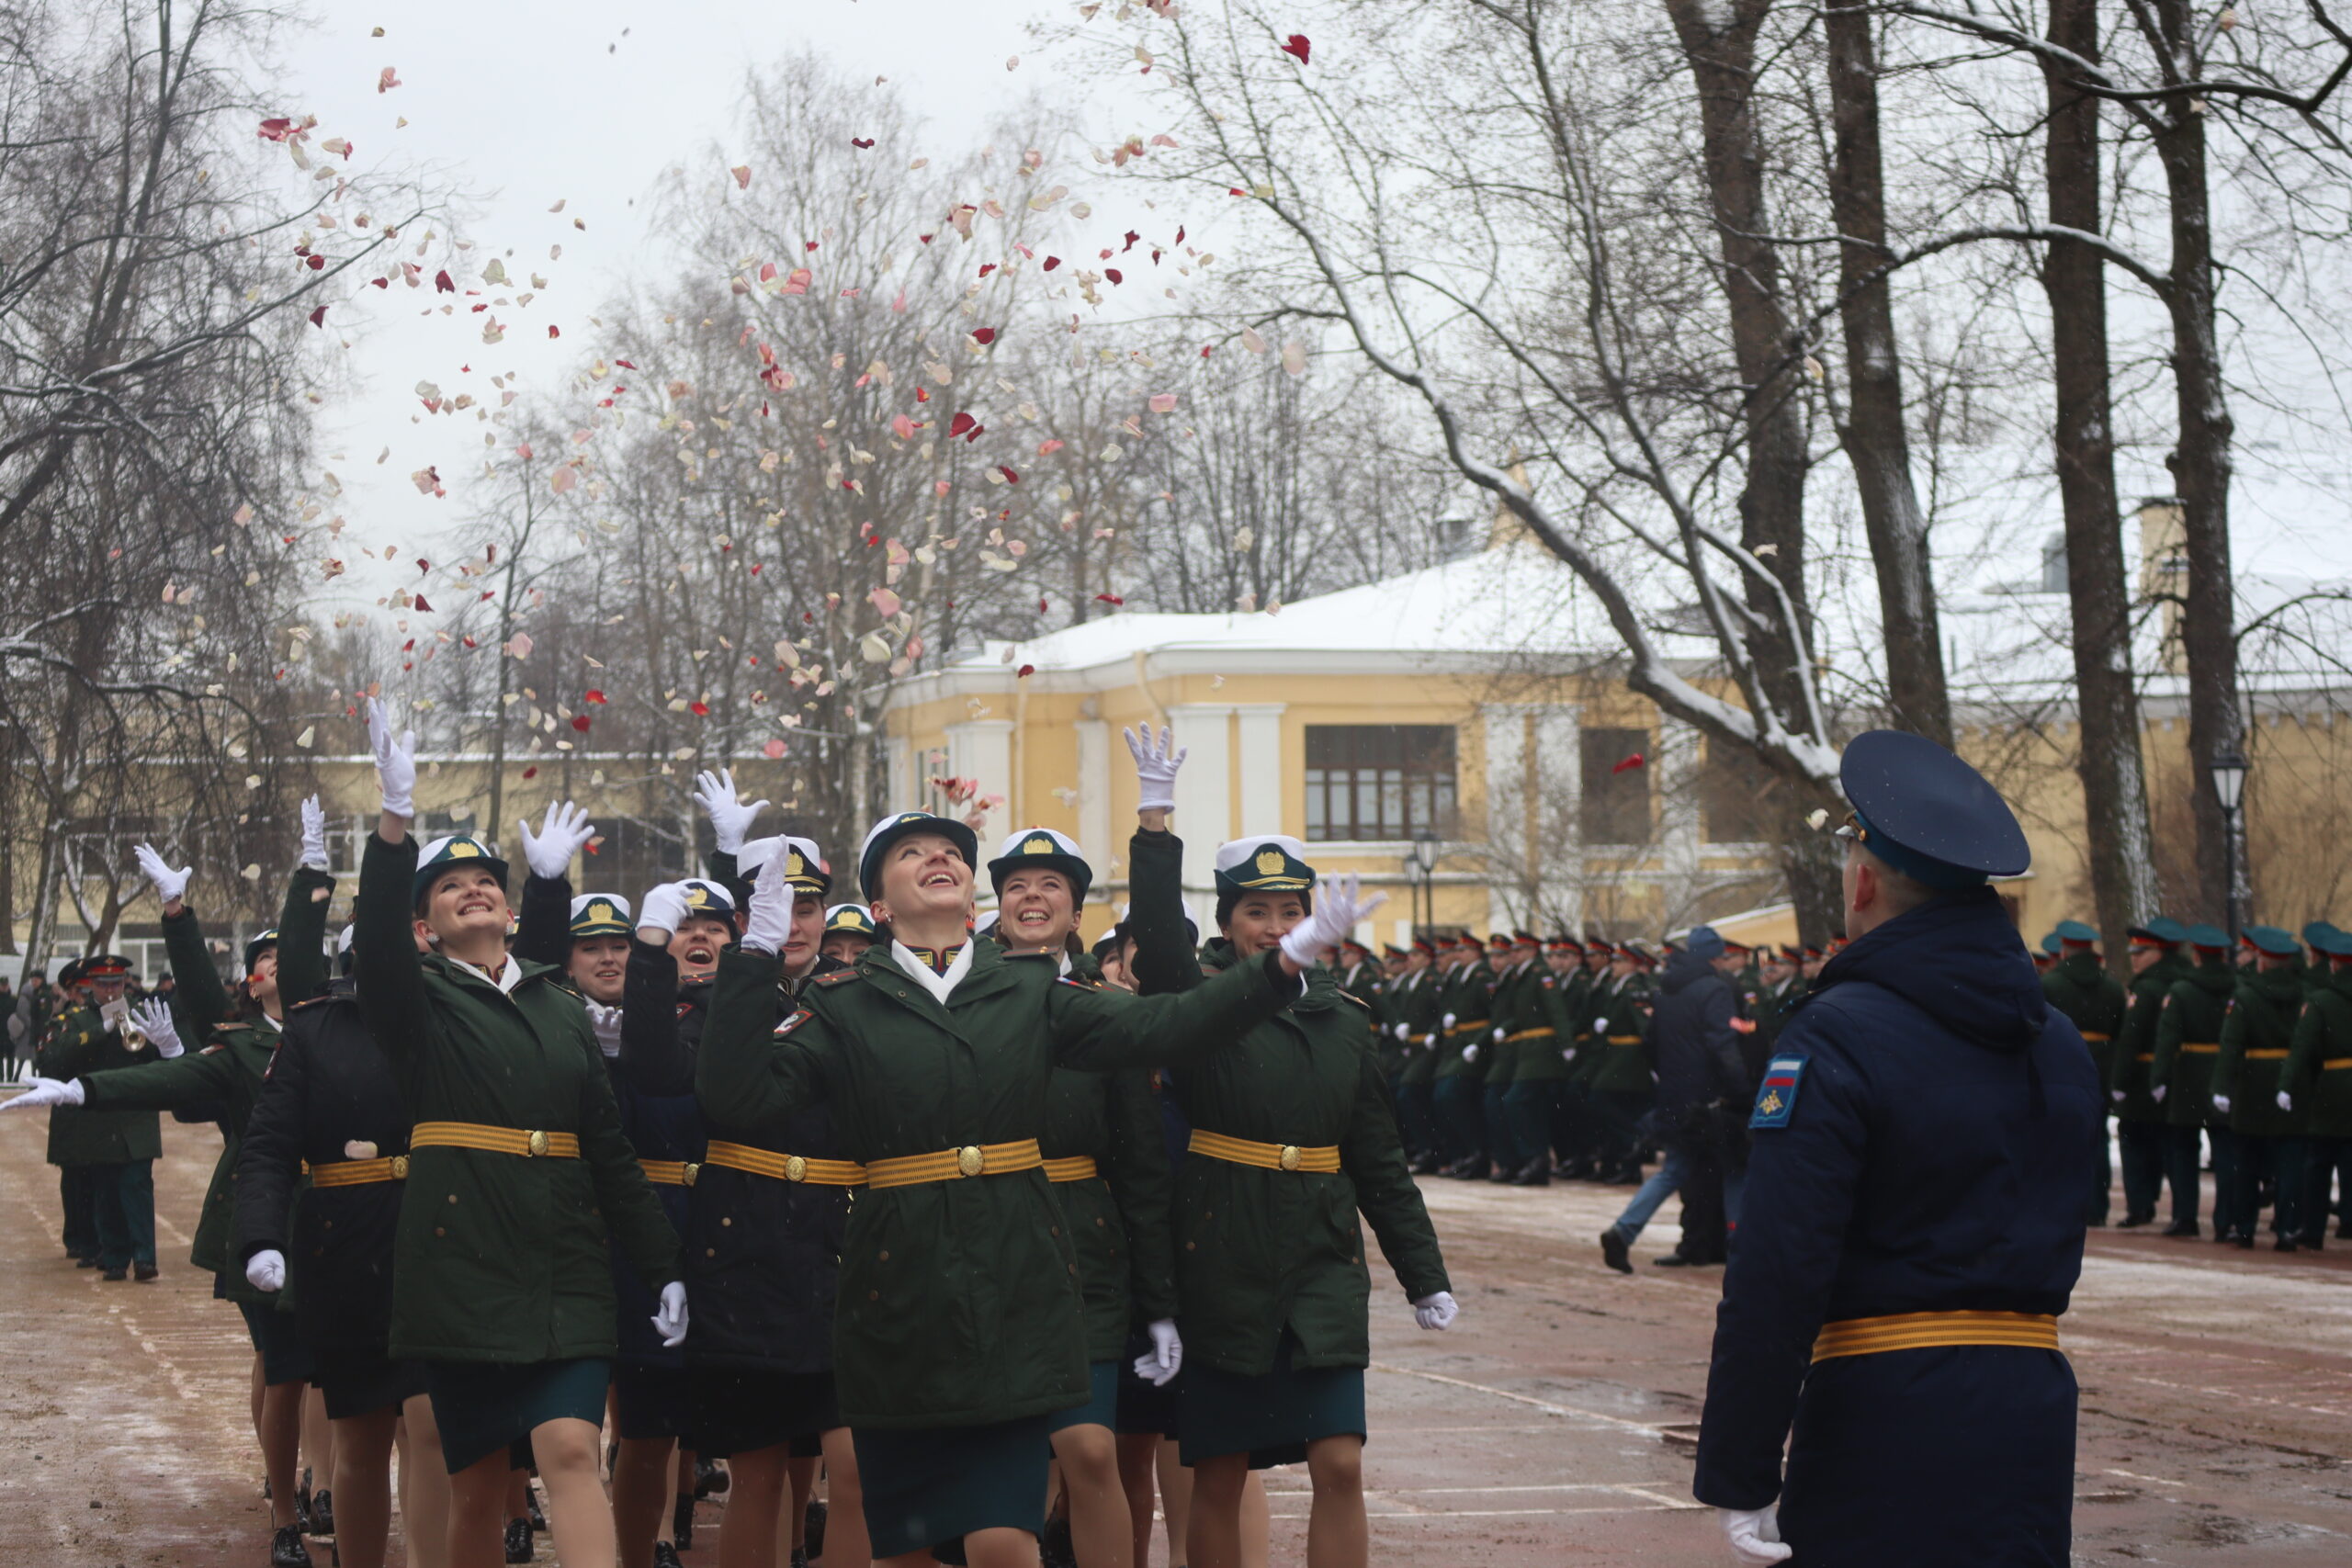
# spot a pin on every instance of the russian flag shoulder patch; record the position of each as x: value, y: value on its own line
x: 1776, y: 1097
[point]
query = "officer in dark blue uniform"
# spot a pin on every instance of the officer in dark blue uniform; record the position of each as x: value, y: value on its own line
x: 1913, y: 1220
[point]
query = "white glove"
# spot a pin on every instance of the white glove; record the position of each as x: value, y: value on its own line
x: 606, y: 1022
x: 1754, y: 1538
x: 1340, y: 903
x: 1166, y: 1357
x: 1446, y: 1023
x: 395, y: 761
x: 549, y: 850
x: 663, y: 909
x: 670, y: 1322
x: 315, y: 833
x: 1437, y: 1311
x: 768, y: 920
x: 2285, y: 1100
x: 1156, y: 760
x: 2116, y: 1095
x: 2222, y: 1104
x: 1470, y: 1052
x: 2158, y: 1094
x: 171, y: 886
x: 153, y: 1020
x: 45, y: 1091
x: 1404, y: 1032
x: 1601, y: 1026
x: 731, y: 819
x: 1567, y: 1052
x: 266, y: 1270
x: 1501, y: 1034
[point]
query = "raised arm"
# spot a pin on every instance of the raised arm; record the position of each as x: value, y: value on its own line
x: 383, y: 940
x: 543, y: 928
x: 751, y: 1071
x: 200, y: 997
x: 1165, y: 959
x: 653, y: 1056
x: 302, y: 920
x: 731, y: 824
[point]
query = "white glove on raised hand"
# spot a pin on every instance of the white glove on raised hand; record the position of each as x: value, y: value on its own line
x: 153, y: 1020
x: 171, y: 886
x: 1166, y: 1357
x: 1157, y: 759
x: 549, y: 850
x: 1339, y: 904
x: 670, y: 1322
x: 663, y: 909
x: 1436, y: 1312
x: 266, y: 1270
x: 1754, y: 1536
x: 731, y: 819
x: 2158, y: 1094
x: 767, y: 922
x: 395, y: 761
x: 315, y: 833
x: 2222, y: 1104
x: 606, y: 1022
x: 1470, y: 1052
x: 2285, y: 1100
x: 2116, y: 1095
x: 45, y: 1091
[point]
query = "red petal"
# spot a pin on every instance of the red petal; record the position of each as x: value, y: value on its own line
x: 983, y: 335
x: 1024, y: 670
x: 319, y: 316
x: 861, y: 142
x: 1631, y: 762
x: 1010, y: 476
x: 581, y: 724
x: 443, y: 283
x: 1108, y: 598
x: 700, y: 710
x: 596, y: 697
x: 532, y: 772
x: 960, y: 424
x: 1113, y: 274
x: 1298, y: 46
x: 1051, y: 263
x: 422, y: 607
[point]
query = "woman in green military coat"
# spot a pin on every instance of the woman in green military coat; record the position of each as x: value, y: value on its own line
x: 2248, y: 1074
x: 1292, y: 1140
x: 518, y: 1171
x: 2180, y: 1079
x: 2317, y: 1084
x: 960, y: 1325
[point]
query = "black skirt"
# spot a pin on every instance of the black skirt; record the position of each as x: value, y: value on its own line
x: 1271, y: 1418
x: 1146, y: 1406
x: 739, y: 1410
x: 923, y: 1488
x: 356, y: 1380
x: 483, y: 1407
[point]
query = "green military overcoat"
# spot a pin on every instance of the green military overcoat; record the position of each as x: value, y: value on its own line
x: 2256, y: 1039
x: 2188, y: 1041
x: 2319, y: 1064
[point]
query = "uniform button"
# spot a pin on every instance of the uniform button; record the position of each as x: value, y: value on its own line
x: 711, y: 1252
x: 438, y: 1231
x: 726, y: 1219
x: 875, y: 1295
x: 453, y: 1197
x: 330, y: 1225
x: 1190, y: 1247
x: 1097, y: 1219
x: 1073, y: 1267
x: 1052, y: 1230
x: 885, y: 1255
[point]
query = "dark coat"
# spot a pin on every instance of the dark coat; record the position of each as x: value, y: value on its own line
x: 1259, y: 1250
x: 2135, y: 1048
x: 1922, y: 1144
x: 2189, y: 1042
x: 2319, y: 1064
x: 2257, y: 1036
x: 1697, y: 1049
x: 77, y: 1045
x: 500, y: 1258
x: 328, y: 1088
x: 2081, y: 987
x: 960, y: 1302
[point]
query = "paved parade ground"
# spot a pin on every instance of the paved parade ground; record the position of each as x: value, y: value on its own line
x: 1551, y: 1425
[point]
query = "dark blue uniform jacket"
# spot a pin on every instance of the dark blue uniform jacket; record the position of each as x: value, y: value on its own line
x: 1928, y: 1155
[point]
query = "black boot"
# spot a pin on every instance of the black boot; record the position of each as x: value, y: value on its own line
x: 1428, y: 1164
x: 2134, y: 1222
x: 1054, y: 1547
x: 144, y: 1273
x: 286, y: 1547
x: 681, y: 1521
x: 323, y: 1512
x: 1613, y: 1251
x: 710, y: 1481
x: 303, y: 1504
x: 813, y: 1525
x: 1536, y: 1172
x: 665, y: 1555
x: 538, y: 1515
x: 1577, y: 1170
x: 1503, y: 1173
x: 518, y: 1541
x: 2184, y: 1227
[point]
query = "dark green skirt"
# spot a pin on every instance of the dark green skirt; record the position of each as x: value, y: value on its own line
x: 1271, y: 1418
x: 1101, y: 1406
x: 923, y: 1488
x: 484, y: 1407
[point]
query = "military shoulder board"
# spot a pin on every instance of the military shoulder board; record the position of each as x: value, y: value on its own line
x: 833, y: 977
x: 1548, y: 983
x: 800, y: 1016
x: 1081, y: 984
x: 1777, y: 1096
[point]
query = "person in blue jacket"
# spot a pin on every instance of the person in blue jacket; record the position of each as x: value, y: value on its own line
x: 1913, y: 1217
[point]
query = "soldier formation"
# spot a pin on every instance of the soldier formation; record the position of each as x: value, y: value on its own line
x: 966, y: 1221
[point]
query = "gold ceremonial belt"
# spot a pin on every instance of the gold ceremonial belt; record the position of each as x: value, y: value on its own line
x: 949, y: 1165
x: 357, y: 1172
x: 2202, y: 1048
x: 494, y: 1140
x: 1624, y: 1039
x: 2102, y: 1038
x: 2336, y: 1063
x: 670, y: 1172
x: 1543, y: 1033
x: 786, y: 1168
x: 2267, y: 1054
x: 2145, y: 1056
x: 1933, y: 1330
x: 1077, y: 1167
x: 1324, y: 1159
x: 1468, y: 1023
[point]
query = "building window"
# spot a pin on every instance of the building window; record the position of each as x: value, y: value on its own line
x: 1614, y: 807
x: 1739, y: 797
x: 1382, y: 781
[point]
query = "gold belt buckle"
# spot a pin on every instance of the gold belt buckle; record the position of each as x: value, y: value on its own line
x: 795, y: 1169
x: 537, y: 1144
x: 1289, y: 1156
x: 689, y: 1171
x: 399, y: 1168
x: 969, y: 1160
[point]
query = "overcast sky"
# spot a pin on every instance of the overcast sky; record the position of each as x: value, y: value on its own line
x: 526, y: 103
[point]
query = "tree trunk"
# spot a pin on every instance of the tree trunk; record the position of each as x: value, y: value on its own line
x: 1771, y: 501
x: 2200, y: 469
x: 1812, y: 862
x: 44, y: 918
x: 2115, y: 795
x: 1877, y: 445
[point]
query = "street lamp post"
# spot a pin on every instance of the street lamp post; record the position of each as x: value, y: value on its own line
x: 1420, y: 865
x: 2229, y: 792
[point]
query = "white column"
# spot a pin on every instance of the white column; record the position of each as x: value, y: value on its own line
x: 1095, y: 795
x: 1557, y: 821
x: 1263, y: 787
x: 982, y: 749
x: 1507, y: 811
x: 1203, y: 796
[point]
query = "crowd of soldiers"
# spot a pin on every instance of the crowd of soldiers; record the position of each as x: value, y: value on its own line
x: 938, y: 1193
